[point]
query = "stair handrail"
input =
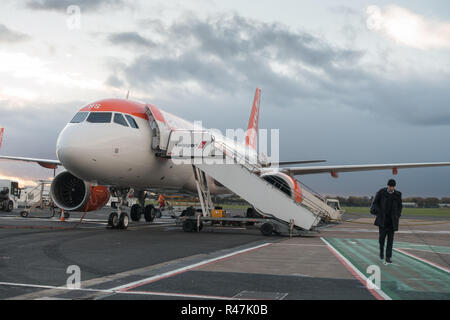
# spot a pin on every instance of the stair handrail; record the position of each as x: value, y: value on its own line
x: 254, y: 168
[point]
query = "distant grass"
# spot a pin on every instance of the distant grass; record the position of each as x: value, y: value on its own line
x: 432, y: 212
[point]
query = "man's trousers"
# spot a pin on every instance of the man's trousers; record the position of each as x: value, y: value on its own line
x: 389, y: 233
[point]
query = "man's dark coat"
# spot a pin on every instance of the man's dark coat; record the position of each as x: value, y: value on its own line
x: 379, y: 208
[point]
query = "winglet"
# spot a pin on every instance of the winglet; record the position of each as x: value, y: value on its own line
x: 251, y: 137
x: 1, y: 135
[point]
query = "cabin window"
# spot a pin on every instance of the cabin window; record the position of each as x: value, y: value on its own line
x: 132, y: 122
x: 119, y: 119
x: 100, y: 117
x: 79, y: 117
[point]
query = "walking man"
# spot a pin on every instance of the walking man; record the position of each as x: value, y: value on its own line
x: 387, y: 206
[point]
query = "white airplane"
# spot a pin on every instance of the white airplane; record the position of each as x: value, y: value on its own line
x: 113, y: 145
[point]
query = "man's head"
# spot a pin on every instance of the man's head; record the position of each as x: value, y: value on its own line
x: 391, y: 185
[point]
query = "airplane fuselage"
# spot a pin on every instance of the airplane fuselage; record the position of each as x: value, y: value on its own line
x: 102, y: 151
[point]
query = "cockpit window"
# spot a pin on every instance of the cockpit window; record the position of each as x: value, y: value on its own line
x: 133, y: 123
x: 118, y: 118
x: 79, y: 117
x: 100, y: 117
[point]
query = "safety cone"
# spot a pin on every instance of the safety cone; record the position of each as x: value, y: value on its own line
x: 62, y: 219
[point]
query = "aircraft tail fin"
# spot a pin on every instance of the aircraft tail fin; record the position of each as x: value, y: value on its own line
x: 1, y: 135
x: 251, y: 137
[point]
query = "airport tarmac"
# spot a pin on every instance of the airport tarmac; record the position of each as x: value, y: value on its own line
x: 159, y: 261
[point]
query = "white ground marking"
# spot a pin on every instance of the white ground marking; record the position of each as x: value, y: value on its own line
x: 183, y: 269
x: 432, y: 251
x: 299, y: 244
x: 120, y: 289
x: 376, y: 231
x: 108, y: 291
x: 422, y: 259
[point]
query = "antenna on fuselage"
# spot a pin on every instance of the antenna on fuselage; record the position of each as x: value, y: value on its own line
x: 128, y: 93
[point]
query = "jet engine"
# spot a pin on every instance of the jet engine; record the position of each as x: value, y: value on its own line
x: 285, y: 183
x: 73, y: 194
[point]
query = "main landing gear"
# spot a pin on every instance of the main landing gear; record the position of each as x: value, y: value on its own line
x: 119, y: 219
x: 137, y: 210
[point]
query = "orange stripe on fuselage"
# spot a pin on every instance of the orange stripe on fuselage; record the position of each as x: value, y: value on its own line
x: 117, y: 105
x: 157, y: 114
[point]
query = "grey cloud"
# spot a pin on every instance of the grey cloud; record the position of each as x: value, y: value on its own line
x: 114, y: 81
x: 345, y: 10
x: 10, y: 36
x: 36, y: 126
x: 414, y: 101
x: 130, y: 38
x: 32, y: 131
x: 184, y: 68
x: 222, y: 38
x: 234, y: 55
x: 62, y: 5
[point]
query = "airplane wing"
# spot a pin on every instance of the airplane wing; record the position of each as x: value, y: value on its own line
x: 46, y: 163
x: 288, y: 163
x: 333, y: 170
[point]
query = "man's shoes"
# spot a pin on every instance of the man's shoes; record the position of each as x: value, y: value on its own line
x: 381, y: 256
x: 388, y: 260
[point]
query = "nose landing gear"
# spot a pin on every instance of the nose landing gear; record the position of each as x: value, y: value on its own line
x: 119, y: 219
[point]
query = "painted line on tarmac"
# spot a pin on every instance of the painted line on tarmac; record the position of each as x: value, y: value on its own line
x: 180, y: 295
x: 109, y: 291
x: 74, y: 225
x: 423, y: 260
x: 135, y: 284
x: 300, y: 244
x: 424, y: 250
x: 377, y: 231
x: 37, y: 227
x: 376, y: 292
x: 157, y: 225
x: 76, y: 219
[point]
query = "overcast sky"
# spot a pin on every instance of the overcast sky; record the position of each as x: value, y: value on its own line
x: 352, y: 82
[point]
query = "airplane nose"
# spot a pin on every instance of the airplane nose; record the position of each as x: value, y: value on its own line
x: 67, y: 155
x: 74, y: 149
x: 68, y: 147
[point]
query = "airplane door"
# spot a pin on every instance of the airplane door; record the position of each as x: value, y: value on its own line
x: 160, y: 131
x: 155, y: 133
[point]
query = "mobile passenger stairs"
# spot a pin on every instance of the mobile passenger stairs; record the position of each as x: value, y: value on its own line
x: 279, y: 212
x: 38, y: 200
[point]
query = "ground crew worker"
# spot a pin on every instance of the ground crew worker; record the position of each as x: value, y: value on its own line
x: 162, y: 202
x: 387, y: 206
